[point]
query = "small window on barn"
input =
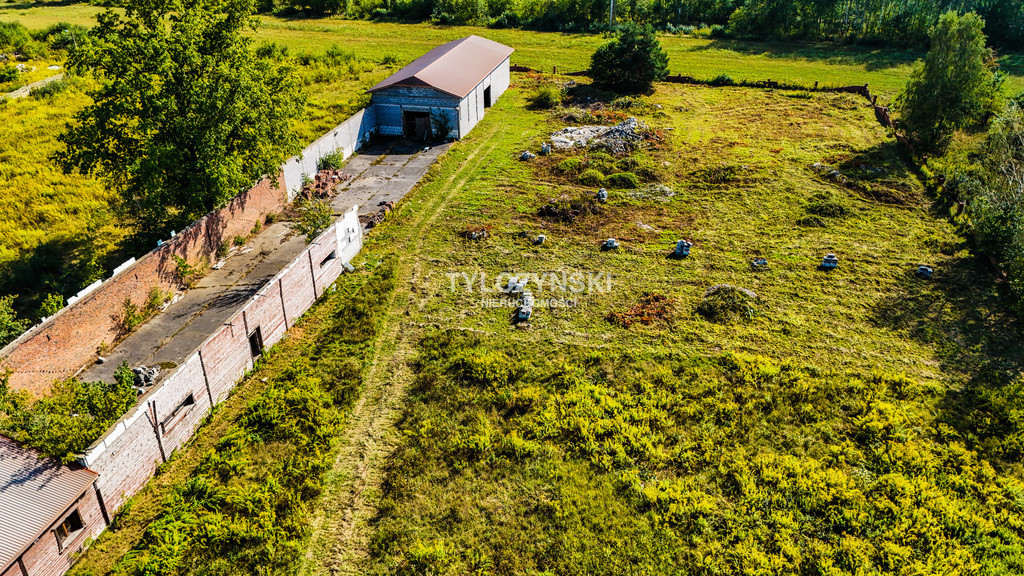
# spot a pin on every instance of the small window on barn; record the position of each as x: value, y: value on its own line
x: 331, y: 256
x: 256, y: 343
x: 68, y: 528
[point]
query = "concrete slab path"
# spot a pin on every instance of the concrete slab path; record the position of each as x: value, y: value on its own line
x: 383, y: 172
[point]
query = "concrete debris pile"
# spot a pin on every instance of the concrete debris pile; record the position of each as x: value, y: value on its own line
x: 653, y: 192
x: 618, y: 139
x: 829, y: 172
x: 378, y: 216
x: 323, y: 183
x: 145, y: 376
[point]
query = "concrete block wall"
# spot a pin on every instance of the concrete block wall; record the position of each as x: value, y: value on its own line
x: 168, y: 415
x: 68, y: 341
x: 346, y: 137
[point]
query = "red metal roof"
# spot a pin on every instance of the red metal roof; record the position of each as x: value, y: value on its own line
x: 34, y: 493
x: 454, y: 68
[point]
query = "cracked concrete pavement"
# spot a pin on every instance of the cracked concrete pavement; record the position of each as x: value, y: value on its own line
x: 383, y: 172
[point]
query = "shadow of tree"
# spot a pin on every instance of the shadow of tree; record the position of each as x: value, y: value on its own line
x: 871, y: 58
x: 962, y: 312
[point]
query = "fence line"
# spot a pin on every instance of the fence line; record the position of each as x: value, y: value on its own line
x: 167, y: 416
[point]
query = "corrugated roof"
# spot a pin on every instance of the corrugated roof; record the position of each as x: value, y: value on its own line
x: 34, y: 492
x: 454, y: 68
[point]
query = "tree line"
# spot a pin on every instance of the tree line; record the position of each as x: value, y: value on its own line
x: 883, y: 22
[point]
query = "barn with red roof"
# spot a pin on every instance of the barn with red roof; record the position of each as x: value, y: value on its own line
x: 445, y: 92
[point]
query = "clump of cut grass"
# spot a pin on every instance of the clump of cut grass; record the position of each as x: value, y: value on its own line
x: 546, y: 97
x: 726, y: 304
x: 626, y: 180
x: 826, y: 206
x: 591, y: 177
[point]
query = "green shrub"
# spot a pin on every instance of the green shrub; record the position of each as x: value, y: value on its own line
x: 333, y: 161
x: 591, y: 177
x: 623, y: 180
x: 722, y: 80
x: 8, y: 73
x: 724, y: 304
x: 314, y: 217
x: 546, y: 97
x: 603, y: 162
x: 572, y: 165
x: 826, y: 206
x: 67, y: 421
x: 13, y: 35
x: 10, y: 325
x: 51, y: 89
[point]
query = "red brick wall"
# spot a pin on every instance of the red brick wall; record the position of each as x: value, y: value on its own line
x: 68, y: 341
x: 45, y: 558
x: 128, y: 454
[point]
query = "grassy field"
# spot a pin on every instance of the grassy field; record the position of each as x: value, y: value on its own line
x: 810, y: 438
x: 841, y: 429
x: 73, y: 215
x: 884, y: 69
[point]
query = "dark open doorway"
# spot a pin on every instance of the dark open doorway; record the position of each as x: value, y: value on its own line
x: 415, y: 124
x: 487, y: 97
x: 256, y: 343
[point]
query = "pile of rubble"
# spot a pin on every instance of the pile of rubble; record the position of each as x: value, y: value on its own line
x: 618, y: 139
x: 145, y: 376
x: 378, y: 216
x: 323, y: 183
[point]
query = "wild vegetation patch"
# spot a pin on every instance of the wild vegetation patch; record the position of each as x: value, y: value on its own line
x: 691, y: 466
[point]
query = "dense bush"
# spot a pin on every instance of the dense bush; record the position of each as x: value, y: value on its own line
x: 584, y: 462
x: 632, y: 62
x: 954, y: 86
x: 10, y: 325
x: 314, y: 217
x: 67, y: 421
x: 591, y: 177
x: 8, y: 73
x: 623, y: 180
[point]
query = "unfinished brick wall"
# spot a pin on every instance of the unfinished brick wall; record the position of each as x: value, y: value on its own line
x: 66, y: 343
x: 168, y: 415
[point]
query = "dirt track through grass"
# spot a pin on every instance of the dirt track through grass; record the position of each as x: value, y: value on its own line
x: 339, y: 543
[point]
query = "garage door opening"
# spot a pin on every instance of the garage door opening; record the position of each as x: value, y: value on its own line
x: 487, y: 97
x: 416, y: 124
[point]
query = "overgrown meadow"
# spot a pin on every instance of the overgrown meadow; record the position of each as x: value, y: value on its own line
x: 859, y: 420
x: 852, y: 421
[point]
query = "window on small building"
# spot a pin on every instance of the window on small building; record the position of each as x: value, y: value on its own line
x: 68, y: 528
x: 256, y: 343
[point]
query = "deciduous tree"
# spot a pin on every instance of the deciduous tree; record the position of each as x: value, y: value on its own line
x: 186, y: 115
x: 954, y: 86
